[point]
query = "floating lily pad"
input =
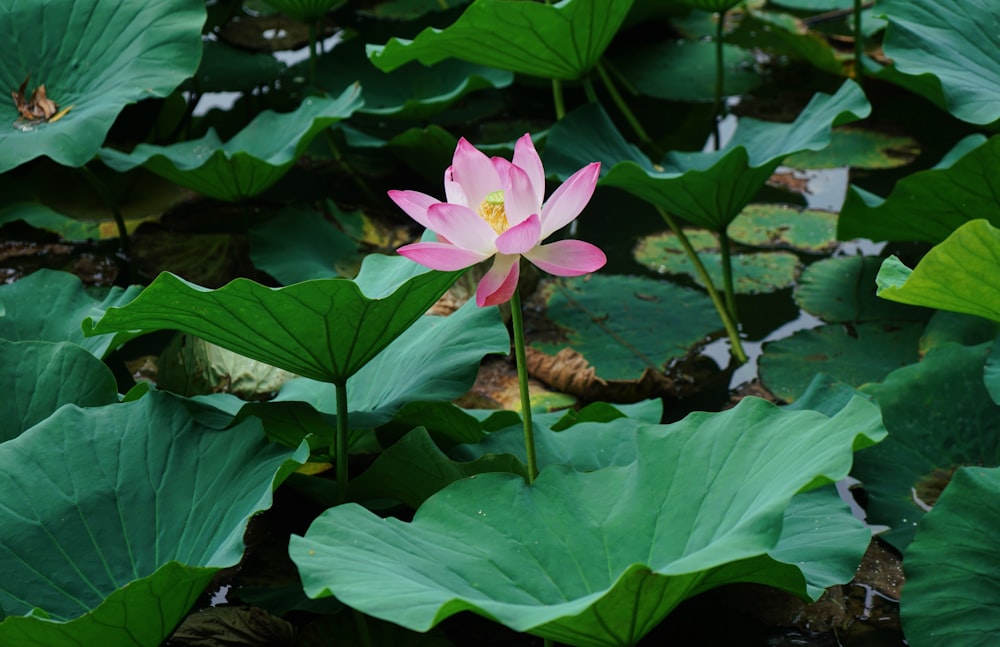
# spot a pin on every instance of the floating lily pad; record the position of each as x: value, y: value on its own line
x: 928, y: 205
x: 97, y: 59
x: 859, y: 148
x: 842, y: 289
x: 955, y: 275
x: 653, y: 524
x: 951, y: 566
x: 786, y: 226
x: 251, y: 161
x: 692, y: 70
x: 785, y: 36
x: 940, y: 417
x: 955, y: 40
x: 227, y: 69
x: 326, y: 329
x: 86, y: 569
x: 862, y: 353
x: 561, y: 41
x: 39, y: 377
x: 680, y: 181
x: 49, y: 306
x: 620, y: 323
x: 753, y: 273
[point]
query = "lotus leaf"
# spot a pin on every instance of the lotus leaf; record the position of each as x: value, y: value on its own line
x: 929, y: 205
x: 661, y: 526
x: 561, y: 41
x: 97, y: 57
x: 251, y: 161
x: 126, y: 527
x: 842, y: 289
x: 950, y: 595
x: 940, y: 417
x: 49, y: 306
x: 326, y: 329
x: 306, y: 10
x: 954, y: 275
x: 958, y: 41
x: 680, y: 182
x: 38, y: 377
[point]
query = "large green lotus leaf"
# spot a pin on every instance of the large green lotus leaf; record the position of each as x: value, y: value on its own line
x: 225, y: 68
x: 325, y: 329
x: 680, y: 182
x: 711, y: 5
x: 560, y: 41
x: 624, y: 325
x: 940, y: 417
x: 251, y: 161
x: 692, y: 70
x: 958, y: 41
x: 414, y: 91
x: 120, y: 508
x: 928, y: 205
x: 753, y: 273
x: 48, y: 306
x: 842, y: 289
x: 97, y: 57
x: 38, y: 377
x: 434, y: 360
x: 866, y: 352
x: 952, y: 566
x: 954, y: 275
x: 594, y: 558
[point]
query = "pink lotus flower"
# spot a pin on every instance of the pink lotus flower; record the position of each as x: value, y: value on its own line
x: 495, y: 208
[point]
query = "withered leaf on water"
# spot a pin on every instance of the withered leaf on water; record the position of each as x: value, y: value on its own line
x: 39, y: 106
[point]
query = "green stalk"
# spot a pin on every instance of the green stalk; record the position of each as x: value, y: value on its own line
x: 102, y: 190
x: 347, y: 168
x: 557, y: 99
x: 859, y: 45
x: 340, y: 443
x: 522, y: 380
x: 720, y: 74
x: 727, y: 318
x: 619, y: 102
x: 727, y: 273
x: 588, y: 89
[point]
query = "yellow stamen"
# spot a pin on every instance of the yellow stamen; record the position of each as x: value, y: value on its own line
x: 493, y: 212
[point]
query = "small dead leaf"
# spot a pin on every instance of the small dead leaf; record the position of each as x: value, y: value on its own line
x: 39, y: 106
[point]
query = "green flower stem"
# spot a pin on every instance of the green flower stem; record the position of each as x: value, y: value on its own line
x: 727, y: 273
x: 522, y: 380
x: 588, y: 89
x: 720, y: 74
x: 347, y: 168
x: 616, y: 97
x: 859, y: 45
x: 727, y: 318
x: 102, y: 190
x: 557, y: 99
x: 340, y: 444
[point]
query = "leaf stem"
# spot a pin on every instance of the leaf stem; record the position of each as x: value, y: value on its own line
x: 588, y: 89
x: 102, y: 190
x: 727, y: 273
x: 720, y: 74
x: 522, y: 380
x: 557, y: 99
x: 347, y: 168
x: 619, y: 102
x: 727, y: 319
x: 340, y: 443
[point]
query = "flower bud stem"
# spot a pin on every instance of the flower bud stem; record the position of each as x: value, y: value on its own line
x: 522, y: 380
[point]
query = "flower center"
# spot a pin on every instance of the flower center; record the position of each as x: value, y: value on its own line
x: 493, y: 212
